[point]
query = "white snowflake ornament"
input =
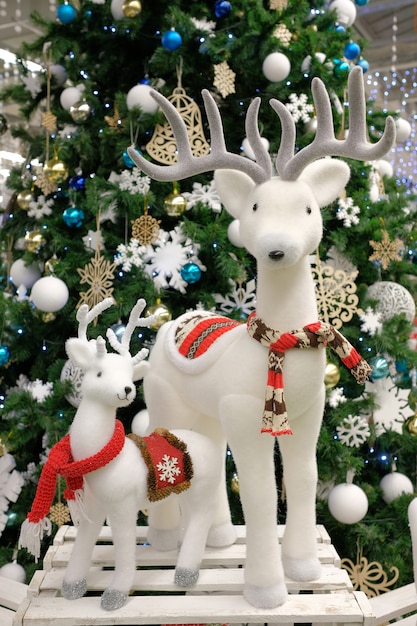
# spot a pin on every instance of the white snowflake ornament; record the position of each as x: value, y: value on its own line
x: 93, y: 240
x: 348, y: 212
x: 371, y: 321
x: 40, y: 207
x: 11, y: 483
x: 129, y: 255
x: 336, y: 397
x: 354, y: 431
x: 241, y: 298
x: 134, y: 181
x: 39, y: 390
x: 299, y: 108
x: 206, y: 194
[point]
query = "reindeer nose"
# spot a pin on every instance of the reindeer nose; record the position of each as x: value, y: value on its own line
x: 128, y: 390
x: 276, y: 255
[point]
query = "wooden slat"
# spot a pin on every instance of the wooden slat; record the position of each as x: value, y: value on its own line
x: 6, y: 617
x: 12, y: 593
x: 323, y: 608
x: 395, y: 603
x: 229, y: 580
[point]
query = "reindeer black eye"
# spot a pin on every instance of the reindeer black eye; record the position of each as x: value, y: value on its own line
x: 99, y: 374
x: 255, y: 207
x: 308, y: 209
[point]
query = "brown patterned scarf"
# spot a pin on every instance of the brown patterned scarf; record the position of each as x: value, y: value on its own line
x: 316, y: 335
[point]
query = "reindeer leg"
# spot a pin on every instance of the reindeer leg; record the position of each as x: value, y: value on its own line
x: 74, y: 585
x: 122, y: 520
x: 253, y: 453
x: 299, y: 546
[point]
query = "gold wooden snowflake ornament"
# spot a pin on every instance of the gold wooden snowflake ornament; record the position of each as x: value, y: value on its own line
x: 99, y: 275
x: 369, y: 577
x: 336, y: 297
x: 59, y: 514
x: 386, y: 250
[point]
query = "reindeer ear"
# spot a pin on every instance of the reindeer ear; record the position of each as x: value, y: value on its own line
x: 80, y: 352
x: 233, y: 188
x: 326, y: 178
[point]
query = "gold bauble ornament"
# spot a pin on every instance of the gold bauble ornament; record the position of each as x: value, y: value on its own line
x: 56, y: 170
x: 24, y: 198
x: 131, y: 8
x: 162, y: 315
x: 234, y: 484
x: 34, y: 241
x: 331, y: 375
x: 411, y: 425
x: 80, y: 111
x: 175, y: 204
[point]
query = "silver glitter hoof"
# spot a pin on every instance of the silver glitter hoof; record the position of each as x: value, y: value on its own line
x: 186, y: 577
x: 113, y: 599
x: 75, y: 590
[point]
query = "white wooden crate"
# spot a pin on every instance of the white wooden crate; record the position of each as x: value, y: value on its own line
x: 12, y: 594
x: 216, y: 598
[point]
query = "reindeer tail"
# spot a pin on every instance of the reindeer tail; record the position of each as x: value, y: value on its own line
x: 32, y: 533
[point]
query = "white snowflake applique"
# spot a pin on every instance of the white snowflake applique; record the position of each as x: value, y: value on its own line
x: 336, y: 397
x: 164, y: 259
x: 11, y: 483
x: 241, y: 298
x: 129, y: 255
x: 299, y: 108
x: 371, y: 321
x: 206, y: 194
x: 354, y: 431
x: 348, y: 212
x: 32, y: 83
x: 40, y: 207
x: 134, y: 181
x: 168, y: 468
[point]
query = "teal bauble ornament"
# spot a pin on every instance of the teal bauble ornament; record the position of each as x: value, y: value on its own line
x: 380, y: 367
x: 4, y: 355
x: 73, y: 217
x: 191, y: 273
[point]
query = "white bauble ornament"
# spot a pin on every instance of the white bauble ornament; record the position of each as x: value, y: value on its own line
x: 403, y: 129
x: 311, y: 125
x: 306, y: 64
x: 116, y: 8
x: 70, y: 96
x: 140, y: 423
x: 49, y: 294
x: 140, y: 96
x: 393, y: 485
x: 233, y: 233
x: 22, y: 274
x: 247, y: 150
x: 276, y: 67
x: 13, y: 571
x: 392, y: 299
x: 348, y: 503
x: 345, y: 11
x: 384, y: 168
x: 59, y: 74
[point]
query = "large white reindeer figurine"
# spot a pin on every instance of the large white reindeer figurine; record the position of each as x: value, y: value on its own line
x: 220, y: 390
x: 112, y: 476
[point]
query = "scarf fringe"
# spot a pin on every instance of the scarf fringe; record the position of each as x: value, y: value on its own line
x: 76, y: 506
x: 32, y: 533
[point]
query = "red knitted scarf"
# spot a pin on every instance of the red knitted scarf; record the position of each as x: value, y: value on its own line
x: 60, y: 462
x: 316, y: 335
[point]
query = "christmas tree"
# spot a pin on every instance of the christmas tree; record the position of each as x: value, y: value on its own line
x: 84, y: 223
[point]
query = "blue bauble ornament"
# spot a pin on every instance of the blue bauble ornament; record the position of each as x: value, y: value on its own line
x: 127, y: 160
x: 119, y: 330
x: 4, y: 355
x: 66, y: 13
x: 73, y: 217
x: 361, y: 3
x: 352, y: 50
x: 341, y: 69
x: 191, y: 273
x: 363, y: 63
x: 222, y: 8
x: 171, y: 40
x: 340, y: 28
x: 380, y: 367
x: 77, y: 182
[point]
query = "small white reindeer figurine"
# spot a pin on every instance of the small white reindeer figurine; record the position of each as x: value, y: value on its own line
x: 220, y: 390
x: 112, y: 476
